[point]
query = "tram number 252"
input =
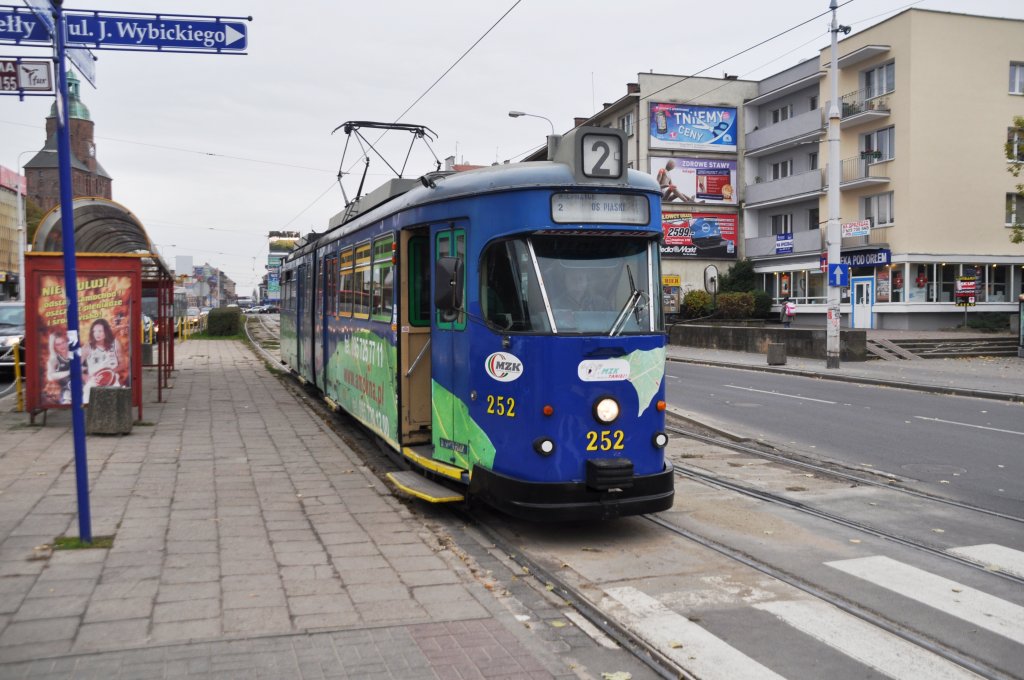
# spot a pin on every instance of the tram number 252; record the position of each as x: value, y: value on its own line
x: 606, y: 440
x: 501, y: 406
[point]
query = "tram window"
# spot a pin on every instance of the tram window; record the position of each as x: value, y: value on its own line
x: 452, y: 243
x: 345, y: 283
x: 419, y: 281
x: 383, y: 281
x: 509, y: 293
x: 361, y: 282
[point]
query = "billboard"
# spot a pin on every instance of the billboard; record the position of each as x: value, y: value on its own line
x: 696, y: 180
x: 699, y: 235
x: 274, y: 277
x: 692, y: 128
x: 109, y: 311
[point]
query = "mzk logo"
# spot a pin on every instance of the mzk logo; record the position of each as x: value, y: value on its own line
x: 503, y: 367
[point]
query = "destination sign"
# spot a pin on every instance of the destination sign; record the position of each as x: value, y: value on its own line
x: 600, y: 208
x: 156, y: 32
x: 23, y: 75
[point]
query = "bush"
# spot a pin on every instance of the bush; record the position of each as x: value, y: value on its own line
x: 735, y: 305
x: 989, y: 322
x: 740, y: 278
x: 762, y: 305
x: 224, y: 321
x: 696, y: 303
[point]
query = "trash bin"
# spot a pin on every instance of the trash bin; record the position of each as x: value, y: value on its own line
x: 147, y: 355
x: 776, y: 354
x: 109, y: 411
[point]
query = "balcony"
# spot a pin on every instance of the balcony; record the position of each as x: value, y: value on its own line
x: 803, y: 242
x: 807, y: 127
x: 858, y: 108
x: 858, y: 172
x: 792, y: 189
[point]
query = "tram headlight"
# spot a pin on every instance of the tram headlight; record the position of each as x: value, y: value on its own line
x: 606, y: 410
x: 660, y: 440
x: 543, y: 446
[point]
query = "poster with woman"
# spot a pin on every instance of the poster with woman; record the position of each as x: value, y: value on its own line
x: 105, y: 310
x: 696, y: 180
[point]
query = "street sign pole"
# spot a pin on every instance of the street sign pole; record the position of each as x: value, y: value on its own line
x: 67, y: 221
x: 832, y: 237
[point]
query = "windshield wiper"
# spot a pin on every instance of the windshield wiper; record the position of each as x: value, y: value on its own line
x: 632, y: 305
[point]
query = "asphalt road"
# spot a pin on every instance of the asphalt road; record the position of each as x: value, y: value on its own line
x: 968, y: 449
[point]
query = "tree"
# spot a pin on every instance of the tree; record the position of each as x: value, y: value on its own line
x: 739, y: 279
x: 1014, y: 150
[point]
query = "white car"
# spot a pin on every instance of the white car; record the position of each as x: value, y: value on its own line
x: 12, y: 331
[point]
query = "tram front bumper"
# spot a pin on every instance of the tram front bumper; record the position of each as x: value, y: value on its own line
x: 570, y: 501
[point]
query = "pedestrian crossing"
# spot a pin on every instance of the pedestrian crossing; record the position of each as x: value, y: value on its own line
x: 694, y: 648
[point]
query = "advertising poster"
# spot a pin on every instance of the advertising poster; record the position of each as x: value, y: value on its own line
x: 692, y: 128
x: 699, y: 235
x: 783, y: 244
x: 695, y: 180
x: 104, y: 311
x: 882, y: 285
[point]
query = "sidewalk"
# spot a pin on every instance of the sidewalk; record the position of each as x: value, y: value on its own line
x: 250, y: 542
x: 991, y: 377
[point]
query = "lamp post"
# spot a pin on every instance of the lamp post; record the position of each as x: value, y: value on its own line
x: 832, y: 234
x: 551, y: 138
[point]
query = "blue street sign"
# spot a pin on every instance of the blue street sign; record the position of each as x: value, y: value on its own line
x: 18, y: 25
x: 838, y: 274
x: 156, y: 32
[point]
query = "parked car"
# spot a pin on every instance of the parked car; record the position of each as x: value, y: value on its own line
x: 12, y: 331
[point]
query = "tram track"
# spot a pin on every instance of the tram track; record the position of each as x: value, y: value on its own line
x: 719, y: 482
x: 489, y: 534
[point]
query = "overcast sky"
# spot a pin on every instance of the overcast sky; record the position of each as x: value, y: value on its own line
x: 212, y: 151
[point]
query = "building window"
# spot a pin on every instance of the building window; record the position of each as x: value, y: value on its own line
x: 880, y: 80
x: 883, y: 141
x: 1015, y: 145
x: 1016, y: 77
x: 782, y: 169
x: 782, y: 113
x: 812, y: 160
x: 813, y: 102
x: 626, y: 124
x: 880, y: 209
x: 1014, y: 209
x: 782, y: 224
x: 813, y: 219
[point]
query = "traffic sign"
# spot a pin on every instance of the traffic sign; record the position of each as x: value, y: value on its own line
x: 838, y: 274
x: 156, y: 32
x: 25, y: 75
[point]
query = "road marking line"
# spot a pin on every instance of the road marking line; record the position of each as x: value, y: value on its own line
x: 779, y: 394
x: 871, y: 646
x: 983, y: 610
x: 686, y: 643
x: 993, y: 556
x: 979, y: 427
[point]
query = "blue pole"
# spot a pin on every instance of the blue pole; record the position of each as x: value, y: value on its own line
x: 67, y: 221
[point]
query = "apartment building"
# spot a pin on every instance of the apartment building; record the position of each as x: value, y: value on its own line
x: 926, y: 200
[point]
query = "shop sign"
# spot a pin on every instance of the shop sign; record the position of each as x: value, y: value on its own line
x: 966, y: 291
x: 867, y: 258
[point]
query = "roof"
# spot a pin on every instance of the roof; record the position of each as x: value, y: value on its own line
x: 102, y: 226
x: 47, y: 158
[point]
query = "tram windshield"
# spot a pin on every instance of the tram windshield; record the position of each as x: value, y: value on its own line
x: 581, y: 284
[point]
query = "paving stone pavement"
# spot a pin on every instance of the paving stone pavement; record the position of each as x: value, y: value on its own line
x: 250, y: 541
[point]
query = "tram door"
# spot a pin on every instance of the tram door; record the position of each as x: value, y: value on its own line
x: 861, y: 302
x: 449, y: 357
x: 300, y: 317
x: 415, y: 268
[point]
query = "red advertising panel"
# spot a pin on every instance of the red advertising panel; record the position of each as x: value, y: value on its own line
x: 699, y: 235
x: 109, y: 309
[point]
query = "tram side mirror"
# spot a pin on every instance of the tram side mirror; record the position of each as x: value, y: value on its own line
x: 448, y: 284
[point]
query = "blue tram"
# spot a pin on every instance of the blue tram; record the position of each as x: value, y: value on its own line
x: 500, y: 329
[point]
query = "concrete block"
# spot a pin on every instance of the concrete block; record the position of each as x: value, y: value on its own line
x: 776, y: 354
x: 109, y: 411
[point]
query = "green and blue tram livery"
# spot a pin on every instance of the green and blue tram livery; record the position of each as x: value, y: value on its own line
x: 500, y: 329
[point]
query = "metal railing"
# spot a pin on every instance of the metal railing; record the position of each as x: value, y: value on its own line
x: 852, y: 103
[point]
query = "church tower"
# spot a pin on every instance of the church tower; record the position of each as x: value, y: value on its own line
x: 88, y: 178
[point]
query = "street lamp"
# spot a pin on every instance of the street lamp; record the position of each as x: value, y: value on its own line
x: 517, y: 114
x: 22, y: 230
x: 552, y: 138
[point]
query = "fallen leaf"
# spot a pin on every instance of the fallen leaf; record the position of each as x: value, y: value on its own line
x: 617, y: 675
x: 854, y: 540
x: 558, y: 623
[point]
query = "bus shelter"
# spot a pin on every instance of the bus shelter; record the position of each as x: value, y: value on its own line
x: 117, y: 268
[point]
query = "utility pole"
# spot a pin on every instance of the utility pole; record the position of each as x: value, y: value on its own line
x: 832, y: 232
